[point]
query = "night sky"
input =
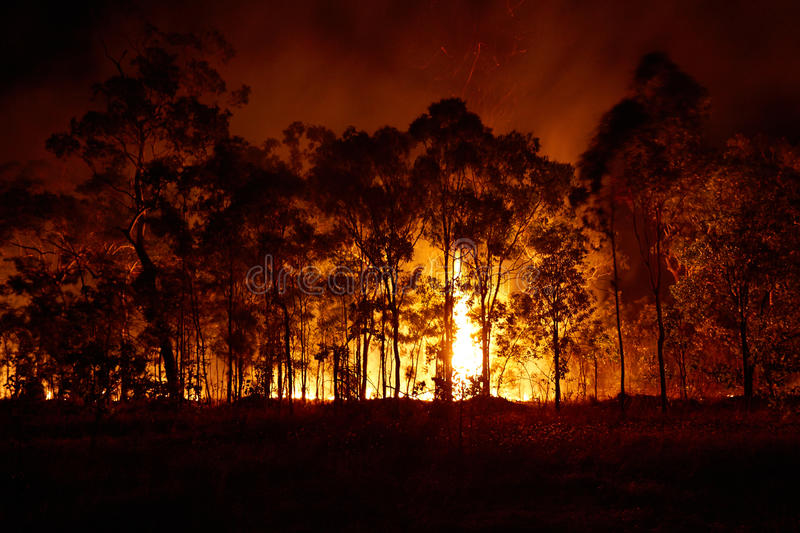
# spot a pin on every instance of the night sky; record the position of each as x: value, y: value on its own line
x: 547, y: 67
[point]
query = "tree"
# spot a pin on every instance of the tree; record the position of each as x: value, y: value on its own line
x: 366, y: 183
x: 157, y: 117
x: 71, y: 319
x: 650, y: 144
x: 423, y: 321
x: 516, y: 187
x: 556, y: 288
x: 741, y: 257
x: 598, y: 196
x: 223, y: 186
x: 452, y: 141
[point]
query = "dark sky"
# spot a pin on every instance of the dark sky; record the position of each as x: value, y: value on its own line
x: 547, y: 67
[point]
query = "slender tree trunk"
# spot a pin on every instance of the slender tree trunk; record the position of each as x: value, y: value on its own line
x: 584, y: 383
x: 316, y: 382
x: 155, y: 315
x: 239, y: 378
x: 230, y: 332
x: 148, y: 279
x: 280, y: 378
x: 230, y: 362
x: 287, y: 351
x: 612, y: 236
x: 557, y: 363
x: 179, y: 346
x: 661, y: 371
x: 344, y: 361
x: 747, y: 367
x: 395, y: 342
x: 383, y: 352
x: 391, y: 291
x: 447, y: 349
x: 322, y: 379
x: 364, y: 361
x: 336, y: 385
x: 303, y: 349
x: 484, y: 348
x: 416, y: 364
x: 652, y: 262
x: 269, y: 358
x: 682, y: 370
x: 357, y: 365
x: 200, y: 350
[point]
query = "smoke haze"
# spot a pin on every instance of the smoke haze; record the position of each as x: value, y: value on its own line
x: 547, y: 67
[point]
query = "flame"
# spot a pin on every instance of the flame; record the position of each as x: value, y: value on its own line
x: 467, y: 360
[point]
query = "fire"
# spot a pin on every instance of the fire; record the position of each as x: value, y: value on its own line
x: 467, y: 360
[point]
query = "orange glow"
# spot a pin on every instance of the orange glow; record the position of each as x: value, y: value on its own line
x: 466, y: 354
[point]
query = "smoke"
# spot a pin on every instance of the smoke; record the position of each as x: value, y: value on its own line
x: 548, y: 67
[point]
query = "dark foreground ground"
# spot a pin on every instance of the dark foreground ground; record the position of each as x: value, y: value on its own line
x: 384, y: 466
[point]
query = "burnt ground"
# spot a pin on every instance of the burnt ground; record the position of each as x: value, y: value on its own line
x: 386, y: 466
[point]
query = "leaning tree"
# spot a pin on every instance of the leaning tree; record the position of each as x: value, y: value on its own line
x: 151, y: 122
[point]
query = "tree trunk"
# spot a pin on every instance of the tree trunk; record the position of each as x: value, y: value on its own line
x: 316, y: 381
x: 364, y: 361
x: 682, y: 370
x: 287, y: 351
x: 447, y: 349
x: 336, y: 388
x: 148, y: 279
x: 661, y: 371
x: 155, y: 315
x: 485, y: 351
x: 395, y: 342
x: 280, y: 379
x: 303, y: 350
x: 239, y: 378
x: 383, y: 353
x: 230, y: 332
x: 557, y: 363
x: 612, y: 236
x: 747, y: 367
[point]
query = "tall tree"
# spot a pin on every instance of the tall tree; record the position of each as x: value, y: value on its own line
x: 557, y: 291
x: 598, y: 197
x: 741, y: 257
x: 649, y: 144
x: 156, y: 117
x: 516, y: 187
x: 367, y: 185
x: 452, y: 140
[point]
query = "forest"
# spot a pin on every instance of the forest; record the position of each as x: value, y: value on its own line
x: 433, y: 326
x: 441, y: 261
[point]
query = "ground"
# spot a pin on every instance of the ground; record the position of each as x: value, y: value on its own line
x: 389, y: 466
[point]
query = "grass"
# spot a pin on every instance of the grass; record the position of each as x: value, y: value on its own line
x: 387, y: 466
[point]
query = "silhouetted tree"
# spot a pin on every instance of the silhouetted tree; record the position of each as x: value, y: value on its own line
x: 452, y: 140
x: 367, y: 185
x: 650, y: 142
x: 556, y: 289
x: 741, y: 259
x: 157, y: 116
x: 516, y: 187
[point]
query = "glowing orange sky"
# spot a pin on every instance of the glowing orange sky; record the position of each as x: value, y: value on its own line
x: 547, y: 67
